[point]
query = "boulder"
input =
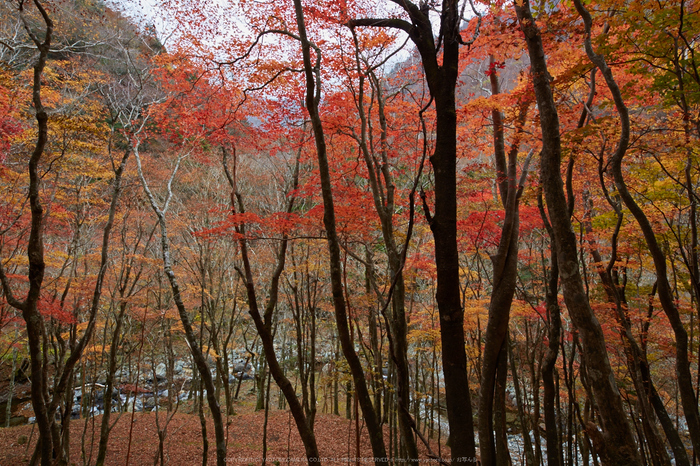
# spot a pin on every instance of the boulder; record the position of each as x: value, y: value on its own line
x: 179, y: 366
x: 161, y: 371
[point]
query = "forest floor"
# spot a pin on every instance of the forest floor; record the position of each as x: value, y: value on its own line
x: 136, y: 443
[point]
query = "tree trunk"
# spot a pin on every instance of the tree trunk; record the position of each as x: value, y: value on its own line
x: 441, y: 76
x: 685, y: 383
x: 313, y: 93
x: 35, y: 249
x: 618, y: 446
x: 195, y: 349
x: 263, y: 322
x: 502, y: 455
x: 505, y: 274
x: 382, y: 186
x: 522, y: 418
x: 550, y: 357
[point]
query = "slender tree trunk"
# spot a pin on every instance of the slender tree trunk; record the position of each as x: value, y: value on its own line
x: 550, y: 357
x: 378, y: 378
x: 636, y: 358
x: 11, y: 388
x: 195, y: 349
x: 618, y: 443
x: 383, y: 188
x: 505, y: 274
x: 685, y: 383
x: 267, y: 416
x: 263, y: 323
x: 522, y: 418
x: 35, y: 249
x: 313, y: 94
x: 502, y: 455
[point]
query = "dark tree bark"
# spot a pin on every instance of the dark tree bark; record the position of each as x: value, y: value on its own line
x: 302, y: 302
x: 505, y: 274
x: 440, y: 64
x: 636, y: 358
x: 64, y: 377
x: 313, y: 94
x: 550, y: 356
x: 126, y: 288
x: 382, y: 186
x: 35, y: 248
x: 501, y: 455
x: 520, y: 402
x: 553, y: 433
x: 685, y: 382
x: 378, y: 378
x: 263, y: 322
x: 618, y: 446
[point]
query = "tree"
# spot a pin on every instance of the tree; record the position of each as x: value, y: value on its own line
x: 263, y: 322
x: 190, y: 137
x: 615, y: 444
x: 440, y: 59
x: 505, y: 269
x: 313, y: 94
x: 374, y: 150
x: 35, y: 247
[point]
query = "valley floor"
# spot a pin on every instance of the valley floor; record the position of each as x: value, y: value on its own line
x: 183, y: 446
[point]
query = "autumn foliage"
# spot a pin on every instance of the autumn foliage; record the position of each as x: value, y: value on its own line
x: 164, y: 235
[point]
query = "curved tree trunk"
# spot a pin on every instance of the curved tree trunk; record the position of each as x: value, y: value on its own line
x: 549, y: 361
x: 382, y: 186
x: 35, y: 249
x: 105, y: 426
x: 263, y: 323
x: 313, y: 93
x: 685, y: 381
x: 190, y: 336
x: 505, y: 274
x: 618, y: 446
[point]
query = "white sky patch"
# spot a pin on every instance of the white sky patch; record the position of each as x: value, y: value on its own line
x: 146, y: 13
x: 223, y: 23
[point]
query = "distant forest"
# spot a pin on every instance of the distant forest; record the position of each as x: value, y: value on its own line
x: 464, y: 231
